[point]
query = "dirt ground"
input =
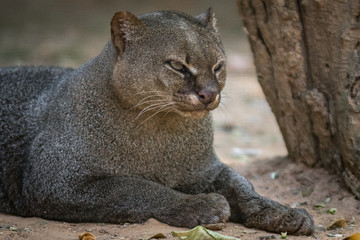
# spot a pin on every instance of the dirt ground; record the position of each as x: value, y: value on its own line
x: 246, y: 137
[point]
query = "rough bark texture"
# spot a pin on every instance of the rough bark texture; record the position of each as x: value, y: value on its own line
x: 307, y: 56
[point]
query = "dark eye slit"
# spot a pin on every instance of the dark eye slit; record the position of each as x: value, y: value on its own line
x: 218, y: 68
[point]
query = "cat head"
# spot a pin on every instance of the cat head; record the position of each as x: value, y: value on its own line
x: 168, y: 62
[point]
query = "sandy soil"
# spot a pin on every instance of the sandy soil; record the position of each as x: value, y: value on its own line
x: 246, y: 134
x: 295, y: 186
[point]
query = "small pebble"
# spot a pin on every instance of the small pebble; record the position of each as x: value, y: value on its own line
x: 274, y: 175
x: 334, y: 235
x: 321, y: 228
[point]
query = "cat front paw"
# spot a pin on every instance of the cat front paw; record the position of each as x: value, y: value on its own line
x: 278, y: 218
x: 307, y: 226
x: 195, y: 210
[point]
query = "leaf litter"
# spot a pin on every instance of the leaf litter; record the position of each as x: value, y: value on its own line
x: 201, y: 233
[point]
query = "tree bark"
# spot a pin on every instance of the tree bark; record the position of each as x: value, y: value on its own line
x: 307, y: 57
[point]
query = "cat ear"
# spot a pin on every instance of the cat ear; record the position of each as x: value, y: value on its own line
x: 207, y: 19
x: 124, y: 27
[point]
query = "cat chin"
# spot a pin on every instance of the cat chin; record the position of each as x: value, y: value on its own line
x: 194, y: 114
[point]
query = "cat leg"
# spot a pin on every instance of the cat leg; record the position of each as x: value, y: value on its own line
x: 134, y: 200
x: 255, y: 211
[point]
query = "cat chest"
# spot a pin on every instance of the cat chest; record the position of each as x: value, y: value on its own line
x: 162, y: 157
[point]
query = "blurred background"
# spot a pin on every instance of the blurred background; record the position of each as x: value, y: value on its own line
x: 68, y: 33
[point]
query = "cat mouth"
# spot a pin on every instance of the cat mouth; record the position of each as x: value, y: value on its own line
x: 196, y: 111
x: 197, y: 114
x: 189, y: 105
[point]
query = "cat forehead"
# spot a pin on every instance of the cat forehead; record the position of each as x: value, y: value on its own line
x: 181, y: 28
x: 169, y: 18
x: 174, y: 22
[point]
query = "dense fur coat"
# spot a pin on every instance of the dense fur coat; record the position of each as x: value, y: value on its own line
x: 128, y: 136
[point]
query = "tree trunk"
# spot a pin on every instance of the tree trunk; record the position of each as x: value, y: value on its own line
x: 307, y: 57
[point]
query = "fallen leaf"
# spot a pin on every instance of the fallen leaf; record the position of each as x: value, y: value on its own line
x: 319, y: 205
x: 12, y: 228
x: 157, y: 236
x: 355, y: 236
x: 332, y: 211
x: 338, y: 223
x: 284, y: 235
x: 201, y: 233
x: 215, y: 226
x: 87, y: 236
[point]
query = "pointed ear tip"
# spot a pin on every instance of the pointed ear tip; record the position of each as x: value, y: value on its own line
x: 117, y: 15
x: 210, y: 12
x: 122, y: 14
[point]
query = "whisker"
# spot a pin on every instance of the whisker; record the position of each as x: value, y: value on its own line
x: 151, y: 96
x: 221, y: 109
x: 224, y: 106
x: 149, y: 101
x: 147, y: 92
x: 224, y: 109
x: 158, y: 111
x: 148, y: 108
x: 225, y: 95
x: 172, y: 108
x: 161, y: 96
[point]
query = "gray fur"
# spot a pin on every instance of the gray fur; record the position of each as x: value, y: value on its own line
x: 126, y: 137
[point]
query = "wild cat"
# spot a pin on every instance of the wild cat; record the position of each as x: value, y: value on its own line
x: 128, y: 136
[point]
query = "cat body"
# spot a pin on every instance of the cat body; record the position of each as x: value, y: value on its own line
x: 128, y: 136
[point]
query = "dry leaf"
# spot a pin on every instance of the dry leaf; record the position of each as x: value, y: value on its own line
x: 215, y: 226
x: 157, y: 236
x: 87, y: 236
x: 201, y: 233
x: 338, y: 223
x: 355, y: 236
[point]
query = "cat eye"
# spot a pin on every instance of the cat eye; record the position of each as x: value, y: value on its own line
x: 218, y: 68
x: 178, y: 66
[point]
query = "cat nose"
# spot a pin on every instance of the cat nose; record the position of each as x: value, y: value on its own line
x: 207, y: 96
